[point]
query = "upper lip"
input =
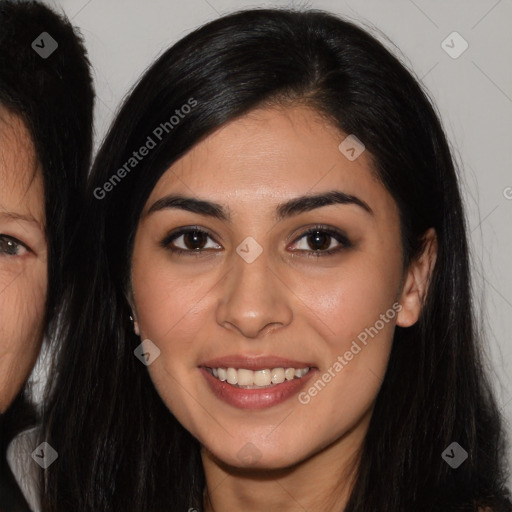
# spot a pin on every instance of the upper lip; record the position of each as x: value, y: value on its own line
x: 255, y: 362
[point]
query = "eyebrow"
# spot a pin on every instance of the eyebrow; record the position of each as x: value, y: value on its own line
x: 285, y: 210
x: 18, y: 216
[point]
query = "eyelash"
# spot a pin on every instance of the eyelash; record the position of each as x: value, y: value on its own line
x: 334, y: 233
x: 6, y: 239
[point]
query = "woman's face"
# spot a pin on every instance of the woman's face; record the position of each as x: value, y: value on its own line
x: 266, y: 298
x: 23, y: 258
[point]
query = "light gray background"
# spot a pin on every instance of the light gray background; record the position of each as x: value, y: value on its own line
x: 473, y: 93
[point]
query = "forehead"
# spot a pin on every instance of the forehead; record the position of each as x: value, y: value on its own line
x: 273, y: 153
x: 17, y: 153
x: 285, y: 144
x: 20, y: 174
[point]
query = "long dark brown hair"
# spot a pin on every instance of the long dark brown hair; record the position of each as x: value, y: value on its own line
x: 120, y: 448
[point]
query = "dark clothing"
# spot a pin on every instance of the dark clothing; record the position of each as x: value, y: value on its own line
x: 19, y: 416
x: 11, y: 497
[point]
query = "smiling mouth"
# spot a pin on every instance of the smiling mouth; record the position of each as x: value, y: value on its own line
x: 257, y: 379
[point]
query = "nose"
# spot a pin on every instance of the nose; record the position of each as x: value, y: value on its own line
x: 254, y: 299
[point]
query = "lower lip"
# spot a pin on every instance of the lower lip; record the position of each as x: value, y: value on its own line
x: 255, y: 398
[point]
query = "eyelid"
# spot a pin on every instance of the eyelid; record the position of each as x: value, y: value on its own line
x: 324, y: 229
x: 183, y: 230
x: 342, y: 239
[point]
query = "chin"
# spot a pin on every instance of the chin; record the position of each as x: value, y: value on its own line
x: 249, y: 457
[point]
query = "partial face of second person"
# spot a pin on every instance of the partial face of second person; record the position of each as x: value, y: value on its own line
x: 23, y: 256
x: 288, y: 302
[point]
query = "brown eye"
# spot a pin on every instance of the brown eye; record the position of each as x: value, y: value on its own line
x: 321, y: 241
x: 190, y: 240
x: 195, y: 240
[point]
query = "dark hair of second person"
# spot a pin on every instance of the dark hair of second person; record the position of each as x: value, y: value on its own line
x: 46, y: 108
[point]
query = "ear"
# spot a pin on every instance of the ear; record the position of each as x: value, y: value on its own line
x: 417, y: 280
x: 131, y: 302
x: 135, y: 324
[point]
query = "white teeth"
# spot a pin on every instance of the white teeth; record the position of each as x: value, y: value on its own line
x: 289, y: 373
x: 232, y: 376
x: 277, y: 375
x: 260, y: 378
x: 245, y: 377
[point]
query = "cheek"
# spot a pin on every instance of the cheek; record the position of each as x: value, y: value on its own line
x: 167, y: 301
x: 353, y: 312
x: 172, y: 307
x: 21, y: 327
x: 351, y: 297
x: 169, y: 313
